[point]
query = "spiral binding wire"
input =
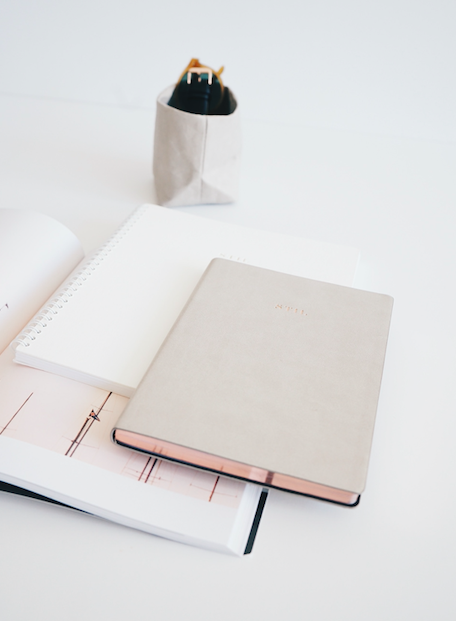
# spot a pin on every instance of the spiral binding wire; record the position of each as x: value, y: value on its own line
x: 42, y: 319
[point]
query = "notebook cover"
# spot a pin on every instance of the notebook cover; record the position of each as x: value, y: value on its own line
x: 272, y: 370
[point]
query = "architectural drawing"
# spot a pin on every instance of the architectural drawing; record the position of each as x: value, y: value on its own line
x: 75, y: 420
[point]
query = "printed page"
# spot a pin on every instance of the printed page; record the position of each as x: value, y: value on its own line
x: 36, y: 254
x: 55, y: 440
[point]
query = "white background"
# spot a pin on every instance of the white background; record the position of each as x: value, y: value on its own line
x: 384, y: 67
x: 349, y: 132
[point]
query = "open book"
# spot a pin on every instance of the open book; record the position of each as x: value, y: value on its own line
x: 54, y: 430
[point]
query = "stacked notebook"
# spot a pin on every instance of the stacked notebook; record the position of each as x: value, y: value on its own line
x: 258, y: 372
x: 99, y: 333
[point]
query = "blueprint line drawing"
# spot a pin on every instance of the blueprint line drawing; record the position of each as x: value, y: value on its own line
x: 91, y: 418
x: 76, y: 420
x: 15, y: 414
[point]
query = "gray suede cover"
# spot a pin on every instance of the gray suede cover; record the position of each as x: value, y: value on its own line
x: 272, y: 370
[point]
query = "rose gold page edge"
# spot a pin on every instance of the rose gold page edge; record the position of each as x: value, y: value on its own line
x: 231, y: 467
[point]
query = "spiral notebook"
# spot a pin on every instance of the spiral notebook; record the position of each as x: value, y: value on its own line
x: 106, y: 322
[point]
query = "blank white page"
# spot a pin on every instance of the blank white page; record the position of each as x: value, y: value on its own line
x: 36, y: 254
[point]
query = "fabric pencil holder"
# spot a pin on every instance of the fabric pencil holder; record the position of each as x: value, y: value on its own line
x: 197, y: 152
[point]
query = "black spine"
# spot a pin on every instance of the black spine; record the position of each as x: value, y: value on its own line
x: 20, y: 491
x: 256, y: 521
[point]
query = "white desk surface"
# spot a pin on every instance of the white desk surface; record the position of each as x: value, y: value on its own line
x: 391, y: 558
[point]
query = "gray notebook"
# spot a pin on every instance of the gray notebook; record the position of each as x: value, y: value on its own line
x: 267, y: 377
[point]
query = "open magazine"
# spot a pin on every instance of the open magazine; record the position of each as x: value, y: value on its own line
x: 55, y: 432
